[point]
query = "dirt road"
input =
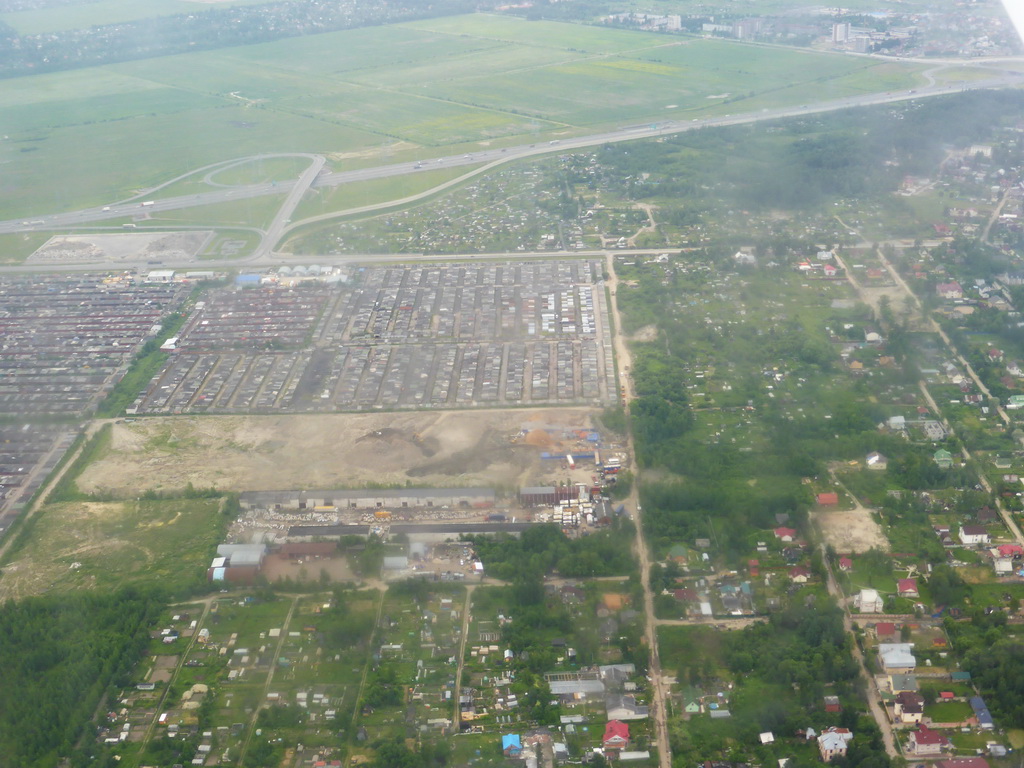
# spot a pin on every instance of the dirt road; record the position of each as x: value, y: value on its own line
x: 1011, y: 524
x: 659, y: 713
x: 888, y: 737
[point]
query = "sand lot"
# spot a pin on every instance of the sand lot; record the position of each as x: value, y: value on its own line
x: 121, y: 246
x: 250, y: 453
x: 852, y: 530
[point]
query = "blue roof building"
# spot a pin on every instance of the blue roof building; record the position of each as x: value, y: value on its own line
x: 510, y: 745
x: 982, y: 714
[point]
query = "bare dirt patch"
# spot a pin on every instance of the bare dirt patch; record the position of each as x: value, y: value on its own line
x: 852, y: 530
x: 337, y: 569
x: 109, y: 247
x: 163, y: 669
x: 454, y: 448
x: 646, y: 334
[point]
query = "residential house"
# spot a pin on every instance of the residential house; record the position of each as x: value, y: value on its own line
x: 925, y: 741
x: 868, y: 601
x: 896, y: 657
x: 799, y: 575
x: 685, y: 595
x: 1011, y: 550
x: 785, y: 534
x: 907, y: 588
x: 943, y: 458
x: 986, y: 515
x: 616, y: 736
x: 834, y: 742
x: 942, y: 531
x: 876, y: 461
x: 908, y: 707
x: 951, y: 290
x: 832, y: 704
x: 678, y: 553
x: 885, y: 630
x: 901, y: 682
x: 981, y: 713
x: 845, y: 564
x: 973, y: 535
x: 624, y: 707
x: 511, y: 746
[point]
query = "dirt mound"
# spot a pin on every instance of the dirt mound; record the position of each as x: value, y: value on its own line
x: 492, y: 451
x: 463, y: 448
x: 539, y: 438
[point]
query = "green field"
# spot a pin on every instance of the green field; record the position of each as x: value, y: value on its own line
x: 93, y: 136
x: 88, y: 544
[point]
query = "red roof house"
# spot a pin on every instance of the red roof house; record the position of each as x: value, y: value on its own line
x: 785, y: 534
x: 799, y: 574
x: 845, y: 564
x: 907, y: 588
x: 925, y: 741
x: 1009, y: 550
x: 885, y: 629
x: 616, y: 735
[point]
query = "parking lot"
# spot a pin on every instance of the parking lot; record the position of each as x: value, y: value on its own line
x: 28, y: 453
x: 437, y: 336
x: 68, y: 339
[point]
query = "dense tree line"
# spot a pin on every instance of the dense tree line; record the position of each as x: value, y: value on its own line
x: 995, y: 659
x: 59, y: 657
x: 395, y: 753
x: 806, y: 163
x: 544, y: 549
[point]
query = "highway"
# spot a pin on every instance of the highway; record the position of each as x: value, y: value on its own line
x: 483, y: 160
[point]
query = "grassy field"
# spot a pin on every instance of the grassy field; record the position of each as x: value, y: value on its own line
x: 248, y: 212
x: 15, y: 248
x: 362, y: 193
x: 79, y: 545
x: 93, y: 136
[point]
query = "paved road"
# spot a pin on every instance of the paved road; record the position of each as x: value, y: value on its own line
x: 287, y: 209
x: 133, y: 206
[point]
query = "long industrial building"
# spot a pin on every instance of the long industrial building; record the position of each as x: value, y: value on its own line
x: 375, y: 498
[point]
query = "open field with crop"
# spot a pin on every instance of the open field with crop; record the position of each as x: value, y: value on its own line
x: 97, y: 135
